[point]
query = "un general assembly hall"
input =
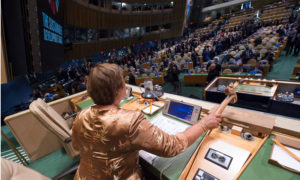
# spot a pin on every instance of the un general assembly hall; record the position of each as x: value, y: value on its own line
x: 150, y: 89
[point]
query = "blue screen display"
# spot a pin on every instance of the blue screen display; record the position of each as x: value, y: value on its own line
x: 52, y: 37
x: 52, y: 30
x: 182, y: 111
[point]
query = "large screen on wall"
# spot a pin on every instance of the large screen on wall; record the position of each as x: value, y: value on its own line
x: 51, y: 33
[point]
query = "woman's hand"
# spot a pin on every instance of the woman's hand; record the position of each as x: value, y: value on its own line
x: 211, y: 121
x: 208, y: 122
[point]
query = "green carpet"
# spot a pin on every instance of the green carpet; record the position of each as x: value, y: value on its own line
x: 187, y: 91
x: 283, y: 68
x: 9, y: 135
x: 54, y: 163
x: 50, y: 165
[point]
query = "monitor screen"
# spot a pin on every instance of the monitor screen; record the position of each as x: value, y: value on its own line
x: 180, y: 110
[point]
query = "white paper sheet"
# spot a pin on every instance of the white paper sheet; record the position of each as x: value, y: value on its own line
x: 168, y: 125
x: 147, y: 110
x: 239, y: 155
x: 284, y: 158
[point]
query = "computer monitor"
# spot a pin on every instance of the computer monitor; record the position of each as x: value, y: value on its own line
x: 183, y: 111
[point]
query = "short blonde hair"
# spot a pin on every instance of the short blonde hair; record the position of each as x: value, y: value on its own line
x: 105, y: 80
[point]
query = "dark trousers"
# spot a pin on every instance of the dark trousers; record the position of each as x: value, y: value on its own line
x: 296, y: 50
x: 289, y: 49
x: 176, y: 86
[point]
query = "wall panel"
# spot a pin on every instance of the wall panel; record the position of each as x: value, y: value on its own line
x: 86, y: 49
x: 79, y: 15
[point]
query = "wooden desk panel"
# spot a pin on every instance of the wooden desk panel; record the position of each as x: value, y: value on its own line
x: 242, y: 75
x: 296, y: 69
x: 156, y: 80
x: 194, y: 79
x: 215, y: 170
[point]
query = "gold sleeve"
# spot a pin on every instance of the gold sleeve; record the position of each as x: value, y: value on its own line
x: 146, y: 136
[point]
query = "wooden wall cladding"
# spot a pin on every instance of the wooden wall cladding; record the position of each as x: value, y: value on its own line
x: 147, y: 1
x: 87, y: 49
x: 82, y: 16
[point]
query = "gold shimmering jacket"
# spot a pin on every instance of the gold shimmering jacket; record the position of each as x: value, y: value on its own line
x: 109, y: 141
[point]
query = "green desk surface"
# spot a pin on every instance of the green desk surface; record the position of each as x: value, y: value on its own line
x: 90, y: 102
x: 228, y: 74
x: 297, y: 65
x: 148, y: 77
x: 85, y: 104
x: 241, y: 74
x: 294, y: 77
x: 254, y: 89
x: 259, y: 168
x: 201, y: 74
x: 171, y: 168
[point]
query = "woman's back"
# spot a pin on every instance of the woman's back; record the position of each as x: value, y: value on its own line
x: 109, y: 141
x: 109, y: 138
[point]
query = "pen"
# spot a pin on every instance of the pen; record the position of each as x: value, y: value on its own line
x: 284, y: 148
x: 150, y: 107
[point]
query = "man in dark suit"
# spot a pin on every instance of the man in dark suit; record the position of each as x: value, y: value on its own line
x: 206, y: 54
x: 194, y: 58
x: 291, y: 41
x: 213, y: 72
x: 269, y: 56
x: 132, y: 76
x: 297, y: 45
x: 246, y: 55
x: 257, y: 41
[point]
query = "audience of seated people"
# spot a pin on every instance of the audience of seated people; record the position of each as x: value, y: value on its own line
x: 235, y: 46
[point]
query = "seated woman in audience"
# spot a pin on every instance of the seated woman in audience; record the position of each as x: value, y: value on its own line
x: 202, y: 68
x: 256, y: 69
x: 256, y: 54
x: 154, y: 70
x: 109, y: 138
x: 226, y: 58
